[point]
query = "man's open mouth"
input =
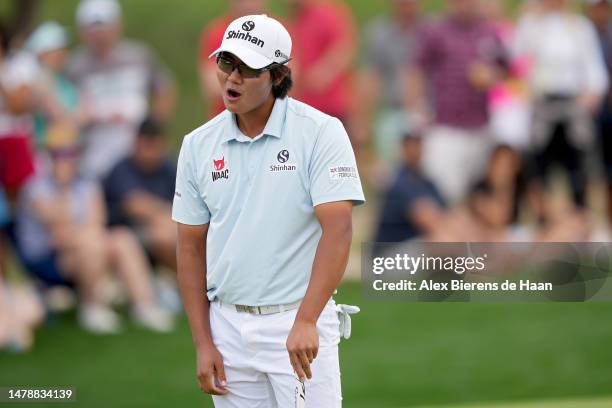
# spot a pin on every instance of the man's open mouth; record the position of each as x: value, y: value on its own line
x: 233, y: 94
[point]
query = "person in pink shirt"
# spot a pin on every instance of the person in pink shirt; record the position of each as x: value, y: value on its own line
x: 325, y: 40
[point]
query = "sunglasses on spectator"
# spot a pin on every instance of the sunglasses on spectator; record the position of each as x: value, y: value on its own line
x: 228, y: 66
x: 65, y: 154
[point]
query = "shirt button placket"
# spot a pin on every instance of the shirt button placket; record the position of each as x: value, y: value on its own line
x: 249, y: 176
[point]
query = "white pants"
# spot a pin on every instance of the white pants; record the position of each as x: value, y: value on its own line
x: 259, y: 373
x: 454, y: 159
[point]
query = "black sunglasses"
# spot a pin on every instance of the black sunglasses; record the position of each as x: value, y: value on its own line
x: 227, y: 66
x: 66, y: 153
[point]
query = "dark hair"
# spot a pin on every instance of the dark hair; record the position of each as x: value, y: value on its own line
x: 281, y: 90
x: 151, y: 128
x: 412, y: 135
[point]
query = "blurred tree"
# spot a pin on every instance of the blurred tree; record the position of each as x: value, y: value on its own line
x: 19, y: 19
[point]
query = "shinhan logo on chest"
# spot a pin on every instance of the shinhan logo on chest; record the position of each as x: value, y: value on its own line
x: 220, y: 171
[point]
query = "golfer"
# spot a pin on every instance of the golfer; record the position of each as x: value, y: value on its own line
x: 263, y: 202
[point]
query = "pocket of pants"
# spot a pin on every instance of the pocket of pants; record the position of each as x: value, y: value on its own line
x: 328, y: 326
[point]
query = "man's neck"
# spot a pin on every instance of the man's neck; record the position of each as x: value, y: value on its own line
x: 103, y: 54
x: 600, y: 25
x: 254, y: 122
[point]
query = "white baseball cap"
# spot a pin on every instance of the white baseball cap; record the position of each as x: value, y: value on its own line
x: 90, y: 12
x: 258, y: 40
x: 49, y: 36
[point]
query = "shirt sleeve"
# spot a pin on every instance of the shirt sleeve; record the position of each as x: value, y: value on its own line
x: 333, y: 169
x: 33, y: 191
x: 520, y: 46
x: 188, y: 206
x: 595, y: 72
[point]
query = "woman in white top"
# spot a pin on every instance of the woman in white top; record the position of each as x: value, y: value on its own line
x: 567, y: 79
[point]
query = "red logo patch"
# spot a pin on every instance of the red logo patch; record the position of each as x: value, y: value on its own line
x: 219, y: 164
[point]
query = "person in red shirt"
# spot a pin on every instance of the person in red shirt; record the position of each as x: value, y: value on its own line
x: 210, y: 41
x: 325, y: 40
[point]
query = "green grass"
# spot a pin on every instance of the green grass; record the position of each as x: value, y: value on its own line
x: 401, y: 355
x: 573, y: 403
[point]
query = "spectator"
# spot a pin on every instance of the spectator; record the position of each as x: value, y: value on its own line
x: 460, y: 57
x: 325, y: 40
x: 62, y: 240
x: 20, y: 313
x: 18, y: 73
x: 211, y: 40
x: 489, y: 216
x: 508, y: 98
x: 120, y: 82
x: 492, y: 210
x: 505, y: 177
x: 139, y: 193
x: 49, y: 43
x: 568, y: 79
x: 600, y: 13
x: 412, y: 206
x: 5, y: 219
x: 390, y: 44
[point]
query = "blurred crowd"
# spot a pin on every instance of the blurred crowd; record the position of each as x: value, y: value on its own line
x: 489, y: 116
x: 87, y: 178
x: 480, y: 122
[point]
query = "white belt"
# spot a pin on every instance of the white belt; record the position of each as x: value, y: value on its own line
x: 344, y: 312
x: 260, y: 310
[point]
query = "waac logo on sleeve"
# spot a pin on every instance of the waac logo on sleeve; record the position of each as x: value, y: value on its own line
x: 220, y: 172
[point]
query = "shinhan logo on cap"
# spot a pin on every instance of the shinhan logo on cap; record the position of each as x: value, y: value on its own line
x: 248, y: 25
x: 279, y: 53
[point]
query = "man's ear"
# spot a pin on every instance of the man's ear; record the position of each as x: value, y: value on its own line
x: 278, y: 77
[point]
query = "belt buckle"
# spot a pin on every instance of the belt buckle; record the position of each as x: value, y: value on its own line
x: 243, y: 308
x: 249, y: 309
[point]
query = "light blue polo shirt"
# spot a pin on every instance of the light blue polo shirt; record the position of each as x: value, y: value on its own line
x: 258, y: 197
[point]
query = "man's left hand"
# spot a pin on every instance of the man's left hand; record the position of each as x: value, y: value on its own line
x: 303, y: 346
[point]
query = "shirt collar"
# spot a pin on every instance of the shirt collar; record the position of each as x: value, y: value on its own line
x: 274, y: 125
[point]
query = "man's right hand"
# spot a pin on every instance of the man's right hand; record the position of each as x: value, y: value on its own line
x: 211, y: 373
